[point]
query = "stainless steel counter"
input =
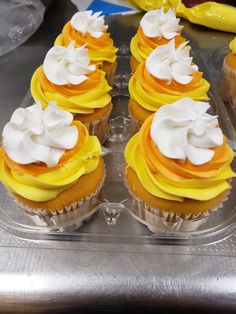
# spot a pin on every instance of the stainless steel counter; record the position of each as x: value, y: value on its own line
x: 58, y: 277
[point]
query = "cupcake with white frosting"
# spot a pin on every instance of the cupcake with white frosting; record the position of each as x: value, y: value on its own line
x: 156, y: 28
x: 167, y: 75
x: 88, y: 28
x: 178, y: 167
x: 228, y: 83
x: 50, y: 165
x: 68, y: 77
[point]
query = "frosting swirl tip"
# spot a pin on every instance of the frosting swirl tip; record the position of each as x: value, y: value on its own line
x: 157, y: 23
x: 169, y: 63
x: 67, y: 65
x: 89, y: 22
x: 183, y: 130
x: 37, y: 135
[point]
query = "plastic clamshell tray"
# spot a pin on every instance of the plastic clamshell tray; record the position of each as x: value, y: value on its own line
x: 113, y: 219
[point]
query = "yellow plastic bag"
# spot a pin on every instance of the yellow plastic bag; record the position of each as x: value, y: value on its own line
x: 210, y: 14
x: 148, y: 5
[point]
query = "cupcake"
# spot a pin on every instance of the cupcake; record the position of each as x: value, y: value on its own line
x: 178, y: 166
x: 156, y: 28
x: 50, y: 165
x: 228, y: 87
x: 86, y: 28
x: 166, y: 76
x: 68, y: 78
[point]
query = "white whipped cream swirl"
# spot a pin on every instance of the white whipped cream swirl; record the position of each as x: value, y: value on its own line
x: 157, y: 23
x: 183, y: 130
x: 87, y: 22
x: 67, y: 65
x: 36, y: 135
x: 168, y: 63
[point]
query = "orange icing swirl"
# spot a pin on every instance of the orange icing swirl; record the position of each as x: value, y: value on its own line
x: 100, y: 49
x: 177, y: 170
x: 151, y: 93
x: 141, y: 46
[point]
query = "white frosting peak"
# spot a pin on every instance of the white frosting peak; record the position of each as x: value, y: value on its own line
x: 36, y: 135
x: 168, y: 63
x: 67, y: 65
x: 183, y: 130
x: 157, y: 23
x: 87, y: 22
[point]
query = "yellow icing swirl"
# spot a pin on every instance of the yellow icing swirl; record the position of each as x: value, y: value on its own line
x: 151, y: 93
x: 232, y: 45
x: 82, y: 98
x: 175, y: 180
x: 141, y: 46
x: 37, y: 182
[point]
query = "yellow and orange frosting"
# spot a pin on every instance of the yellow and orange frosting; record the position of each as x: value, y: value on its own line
x: 180, y: 153
x: 86, y: 28
x: 230, y: 59
x: 167, y: 76
x: 68, y: 78
x: 156, y: 28
x: 44, y: 152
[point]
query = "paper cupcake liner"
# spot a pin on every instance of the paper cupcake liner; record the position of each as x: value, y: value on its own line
x: 229, y: 71
x: 110, y: 75
x: 69, y: 217
x: 228, y: 84
x: 99, y: 127
x: 158, y: 220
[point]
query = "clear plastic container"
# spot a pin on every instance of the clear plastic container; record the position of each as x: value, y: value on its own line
x: 117, y: 217
x: 19, y: 19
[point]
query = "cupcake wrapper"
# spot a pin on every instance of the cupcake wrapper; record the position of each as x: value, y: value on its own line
x: 228, y: 70
x: 67, y: 218
x: 110, y: 75
x: 99, y: 127
x: 158, y: 220
x: 228, y: 86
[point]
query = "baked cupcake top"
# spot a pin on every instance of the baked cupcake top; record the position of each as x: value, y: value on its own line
x: 180, y: 152
x: 45, y: 151
x: 156, y: 28
x: 68, y: 77
x: 89, y: 28
x: 167, y: 75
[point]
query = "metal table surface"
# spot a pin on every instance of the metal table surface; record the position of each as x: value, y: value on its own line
x: 61, y: 277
